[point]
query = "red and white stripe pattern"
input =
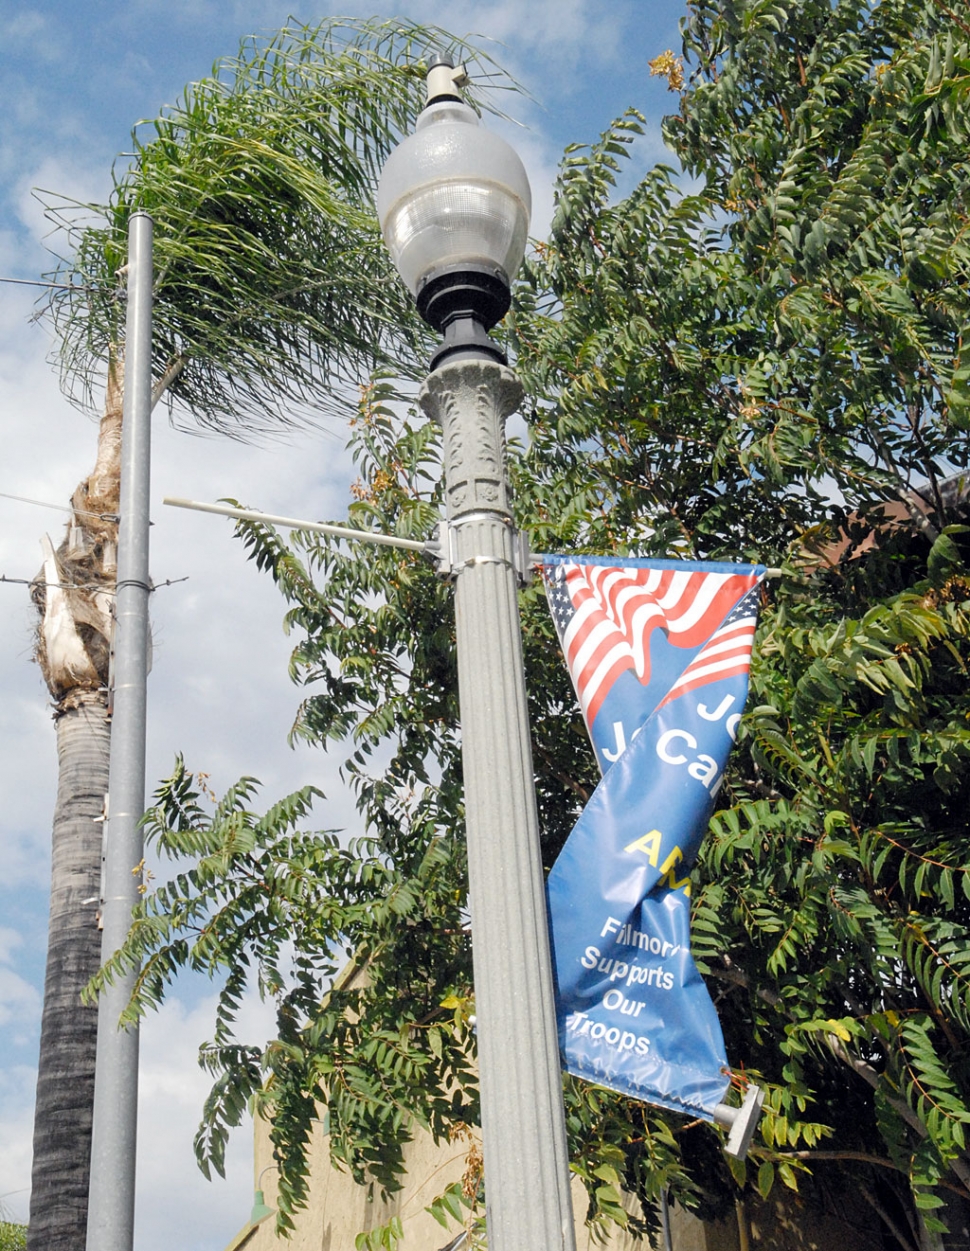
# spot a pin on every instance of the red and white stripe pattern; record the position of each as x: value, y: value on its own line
x: 606, y: 615
x: 728, y: 651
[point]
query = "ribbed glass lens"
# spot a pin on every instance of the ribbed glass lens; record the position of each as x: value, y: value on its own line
x: 452, y: 223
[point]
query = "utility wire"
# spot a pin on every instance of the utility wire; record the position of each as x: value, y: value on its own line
x: 61, y: 508
x: 83, y: 586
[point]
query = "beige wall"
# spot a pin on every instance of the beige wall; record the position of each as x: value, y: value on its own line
x: 339, y: 1209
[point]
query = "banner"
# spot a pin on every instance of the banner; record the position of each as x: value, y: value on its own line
x: 659, y: 653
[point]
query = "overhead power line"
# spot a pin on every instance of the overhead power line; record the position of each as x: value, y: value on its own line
x: 83, y: 586
x: 62, y: 508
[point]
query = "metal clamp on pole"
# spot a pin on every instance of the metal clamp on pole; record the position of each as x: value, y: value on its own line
x: 741, y: 1122
x: 443, y: 549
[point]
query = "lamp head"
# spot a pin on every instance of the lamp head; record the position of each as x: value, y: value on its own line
x: 261, y: 1210
x: 454, y: 205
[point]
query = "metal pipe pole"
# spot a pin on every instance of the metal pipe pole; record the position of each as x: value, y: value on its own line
x: 111, y: 1204
x: 315, y: 527
x: 528, y: 1203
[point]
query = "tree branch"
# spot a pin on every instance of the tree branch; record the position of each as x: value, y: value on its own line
x: 558, y: 774
x: 176, y: 368
x: 731, y: 973
x: 872, y: 1077
x: 903, y: 492
x: 884, y: 1216
x: 861, y: 1156
x: 945, y: 8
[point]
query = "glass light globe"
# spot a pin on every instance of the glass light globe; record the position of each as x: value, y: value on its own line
x: 454, y: 195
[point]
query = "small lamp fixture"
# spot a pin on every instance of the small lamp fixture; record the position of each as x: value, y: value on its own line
x: 454, y: 204
x: 261, y: 1209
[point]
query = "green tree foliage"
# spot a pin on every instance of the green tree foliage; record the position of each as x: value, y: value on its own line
x: 12, y: 1237
x: 770, y: 365
x: 720, y: 367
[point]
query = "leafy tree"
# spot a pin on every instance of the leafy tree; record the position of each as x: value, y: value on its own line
x: 772, y: 365
x: 713, y: 393
x: 272, y: 292
x: 12, y: 1237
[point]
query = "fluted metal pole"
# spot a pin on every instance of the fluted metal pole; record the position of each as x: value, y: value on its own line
x: 111, y: 1204
x: 528, y: 1205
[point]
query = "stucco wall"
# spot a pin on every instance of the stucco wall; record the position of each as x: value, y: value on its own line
x: 339, y: 1209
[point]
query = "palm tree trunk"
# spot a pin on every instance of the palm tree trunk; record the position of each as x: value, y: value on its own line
x: 74, y: 598
x: 65, y: 1078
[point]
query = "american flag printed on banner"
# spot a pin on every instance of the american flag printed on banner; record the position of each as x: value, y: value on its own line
x: 606, y: 613
x: 726, y: 653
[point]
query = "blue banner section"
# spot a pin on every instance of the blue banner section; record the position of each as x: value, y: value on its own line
x: 659, y: 654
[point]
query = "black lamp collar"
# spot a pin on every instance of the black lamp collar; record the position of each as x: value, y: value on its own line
x: 464, y: 302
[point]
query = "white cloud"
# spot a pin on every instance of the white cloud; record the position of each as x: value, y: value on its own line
x: 27, y: 733
x: 19, y: 1001
x: 175, y: 1205
x: 17, y: 1084
x: 31, y: 33
x: 9, y: 941
x: 562, y: 32
x: 19, y: 1009
x: 219, y: 691
x: 57, y: 180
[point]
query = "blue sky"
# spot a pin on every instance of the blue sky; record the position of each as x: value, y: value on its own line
x: 73, y: 81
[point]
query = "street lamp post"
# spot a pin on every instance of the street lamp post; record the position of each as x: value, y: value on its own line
x: 111, y: 1199
x: 454, y: 205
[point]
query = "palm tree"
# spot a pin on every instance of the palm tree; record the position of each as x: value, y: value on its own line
x: 73, y: 596
x: 273, y: 298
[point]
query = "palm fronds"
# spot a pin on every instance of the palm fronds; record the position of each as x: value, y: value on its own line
x: 274, y: 296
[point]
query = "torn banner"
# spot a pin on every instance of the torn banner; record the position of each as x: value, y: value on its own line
x: 659, y: 653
